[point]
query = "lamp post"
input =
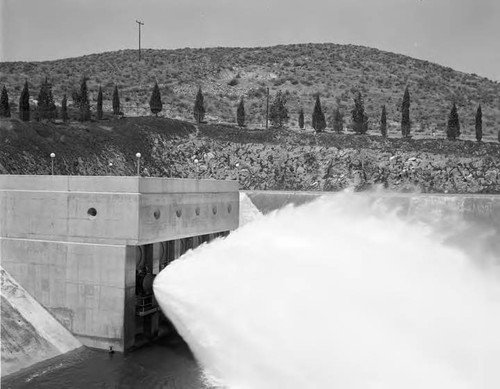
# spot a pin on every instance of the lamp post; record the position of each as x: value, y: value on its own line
x: 196, y: 162
x: 110, y: 165
x: 238, y: 171
x: 138, y: 156
x: 52, y: 156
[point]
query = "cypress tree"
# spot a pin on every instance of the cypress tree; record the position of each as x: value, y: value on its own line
x: 84, y: 101
x: 64, y: 109
x: 453, y: 129
x: 116, y: 101
x: 99, y: 104
x: 278, y: 112
x: 318, y: 117
x: 4, y: 104
x: 383, y: 122
x: 338, y: 121
x: 41, y: 112
x: 155, y: 103
x: 24, y: 103
x: 479, y: 124
x: 199, y: 107
x: 359, y: 118
x: 240, y: 113
x: 405, y: 114
x: 46, y: 108
x: 301, y: 119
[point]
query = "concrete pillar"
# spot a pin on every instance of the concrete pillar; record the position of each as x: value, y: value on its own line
x: 178, y: 248
x: 129, y: 328
x: 196, y: 241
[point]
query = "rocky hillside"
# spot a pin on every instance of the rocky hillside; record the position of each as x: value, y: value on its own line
x: 226, y: 74
x: 278, y: 159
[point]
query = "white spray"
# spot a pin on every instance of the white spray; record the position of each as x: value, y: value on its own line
x: 336, y: 294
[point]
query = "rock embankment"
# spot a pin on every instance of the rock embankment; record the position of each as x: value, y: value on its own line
x: 327, y: 168
x: 259, y: 159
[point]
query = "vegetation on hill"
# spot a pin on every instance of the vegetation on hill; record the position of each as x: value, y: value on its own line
x: 240, y: 113
x: 337, y: 72
x: 155, y: 103
x: 356, y: 84
x: 199, y: 107
x: 318, y: 117
x: 4, y: 104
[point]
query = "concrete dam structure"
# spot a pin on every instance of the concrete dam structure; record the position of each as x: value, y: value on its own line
x: 88, y: 248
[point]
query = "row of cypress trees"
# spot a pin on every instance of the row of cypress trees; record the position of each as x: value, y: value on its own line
x: 46, y: 108
x: 278, y: 115
x: 360, y: 119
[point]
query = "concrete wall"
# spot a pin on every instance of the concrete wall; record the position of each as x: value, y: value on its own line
x: 59, y: 208
x: 71, y: 241
x: 63, y: 216
x: 483, y: 209
x: 181, y: 215
x: 81, y: 285
x: 470, y: 222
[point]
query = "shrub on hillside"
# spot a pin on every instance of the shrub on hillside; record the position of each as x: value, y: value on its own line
x: 240, y: 113
x: 278, y: 112
x: 479, y: 124
x: 64, y: 109
x: 453, y: 128
x: 24, y: 103
x: 116, y: 101
x: 199, y: 107
x: 318, y: 117
x: 155, y: 103
x: 359, y: 118
x: 405, y: 114
x: 46, y: 108
x: 338, y: 120
x: 4, y: 104
x: 84, y: 104
x: 99, y: 104
x: 383, y: 122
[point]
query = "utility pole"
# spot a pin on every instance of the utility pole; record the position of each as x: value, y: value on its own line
x: 267, y: 110
x: 140, y: 24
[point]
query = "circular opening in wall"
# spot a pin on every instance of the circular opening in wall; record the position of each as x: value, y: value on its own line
x: 229, y: 208
x: 197, y: 211
x: 178, y: 213
x: 92, y: 212
x: 157, y: 214
x: 214, y: 210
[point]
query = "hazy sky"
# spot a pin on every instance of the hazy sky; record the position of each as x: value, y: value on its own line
x: 462, y: 34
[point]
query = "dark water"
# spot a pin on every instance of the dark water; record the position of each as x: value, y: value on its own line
x: 168, y: 363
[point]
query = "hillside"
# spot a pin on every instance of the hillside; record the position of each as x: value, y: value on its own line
x: 226, y: 74
x: 286, y: 159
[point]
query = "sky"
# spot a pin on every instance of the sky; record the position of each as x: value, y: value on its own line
x: 462, y: 34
